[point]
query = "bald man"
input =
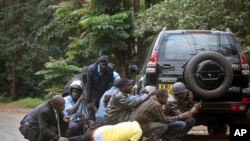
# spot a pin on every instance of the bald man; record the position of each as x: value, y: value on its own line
x: 44, y: 126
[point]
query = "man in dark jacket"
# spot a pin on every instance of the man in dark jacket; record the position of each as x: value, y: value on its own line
x: 99, y: 79
x: 44, y: 122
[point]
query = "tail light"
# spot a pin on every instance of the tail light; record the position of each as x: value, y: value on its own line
x: 243, y: 58
x: 244, y: 65
x: 154, y: 57
x: 237, y: 107
x: 245, y: 99
x: 151, y: 66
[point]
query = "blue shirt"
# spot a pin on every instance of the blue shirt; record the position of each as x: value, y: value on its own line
x: 69, y: 103
x: 101, y: 110
x: 116, y: 75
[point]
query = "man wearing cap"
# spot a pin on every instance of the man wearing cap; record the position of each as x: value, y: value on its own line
x: 99, y: 79
x: 122, y: 103
x: 176, y: 105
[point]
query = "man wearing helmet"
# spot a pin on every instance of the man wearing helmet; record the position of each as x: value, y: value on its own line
x: 82, y: 76
x: 75, y: 107
x: 177, y: 104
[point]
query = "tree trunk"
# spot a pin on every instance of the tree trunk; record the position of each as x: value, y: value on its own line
x: 141, y: 53
x: 123, y: 62
x: 136, y: 6
x: 13, y: 88
x: 5, y: 13
x: 126, y: 4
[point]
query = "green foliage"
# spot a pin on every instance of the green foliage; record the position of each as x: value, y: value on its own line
x: 57, y: 71
x: 63, y: 29
x: 99, y: 29
x: 56, y: 74
x: 4, y: 98
x: 107, y: 6
x: 195, y: 14
x: 20, y: 52
x: 52, y: 92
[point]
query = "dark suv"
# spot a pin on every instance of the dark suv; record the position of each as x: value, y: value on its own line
x: 212, y: 66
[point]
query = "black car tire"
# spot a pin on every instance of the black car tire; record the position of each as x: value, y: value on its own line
x: 192, y: 84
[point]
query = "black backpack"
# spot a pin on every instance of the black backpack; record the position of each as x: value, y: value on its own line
x: 24, y: 125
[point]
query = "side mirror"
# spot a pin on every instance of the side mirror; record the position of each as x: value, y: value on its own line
x: 134, y: 69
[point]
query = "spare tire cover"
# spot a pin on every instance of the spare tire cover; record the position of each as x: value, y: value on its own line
x: 208, y: 75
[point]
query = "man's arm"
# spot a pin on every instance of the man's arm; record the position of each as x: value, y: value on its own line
x: 173, y: 108
x: 130, y: 102
x: 89, y: 82
x: 158, y: 114
x: 134, y: 100
x: 177, y: 113
x: 71, y: 109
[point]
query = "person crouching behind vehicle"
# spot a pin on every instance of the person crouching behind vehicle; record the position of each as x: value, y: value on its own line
x: 176, y: 105
x: 124, y: 131
x: 122, y: 102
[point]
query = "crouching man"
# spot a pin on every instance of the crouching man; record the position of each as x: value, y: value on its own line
x: 177, y: 104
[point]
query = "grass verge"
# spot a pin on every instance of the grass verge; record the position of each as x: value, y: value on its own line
x: 27, y: 102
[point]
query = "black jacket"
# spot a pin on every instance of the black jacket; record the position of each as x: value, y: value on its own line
x: 43, y: 124
x: 97, y: 84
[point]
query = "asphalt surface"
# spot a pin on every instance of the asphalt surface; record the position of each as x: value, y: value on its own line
x: 9, y: 123
x: 10, y: 118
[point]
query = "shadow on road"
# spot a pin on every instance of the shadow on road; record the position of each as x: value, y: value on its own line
x: 206, y: 138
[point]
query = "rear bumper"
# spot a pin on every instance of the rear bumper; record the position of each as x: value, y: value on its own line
x: 224, y: 107
x: 224, y: 112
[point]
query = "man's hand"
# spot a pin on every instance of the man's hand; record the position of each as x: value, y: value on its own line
x: 185, y: 115
x: 63, y: 139
x: 66, y: 119
x: 195, y: 108
x: 197, y: 105
x: 83, y: 96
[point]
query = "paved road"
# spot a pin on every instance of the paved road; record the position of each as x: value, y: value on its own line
x: 205, y: 138
x: 10, y: 118
x: 199, y: 133
x: 9, y: 123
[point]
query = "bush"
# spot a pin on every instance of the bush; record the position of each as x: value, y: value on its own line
x: 4, y: 99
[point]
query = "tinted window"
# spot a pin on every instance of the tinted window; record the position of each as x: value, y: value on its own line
x: 184, y: 46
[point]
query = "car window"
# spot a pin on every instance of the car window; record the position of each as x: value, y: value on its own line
x: 183, y: 46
